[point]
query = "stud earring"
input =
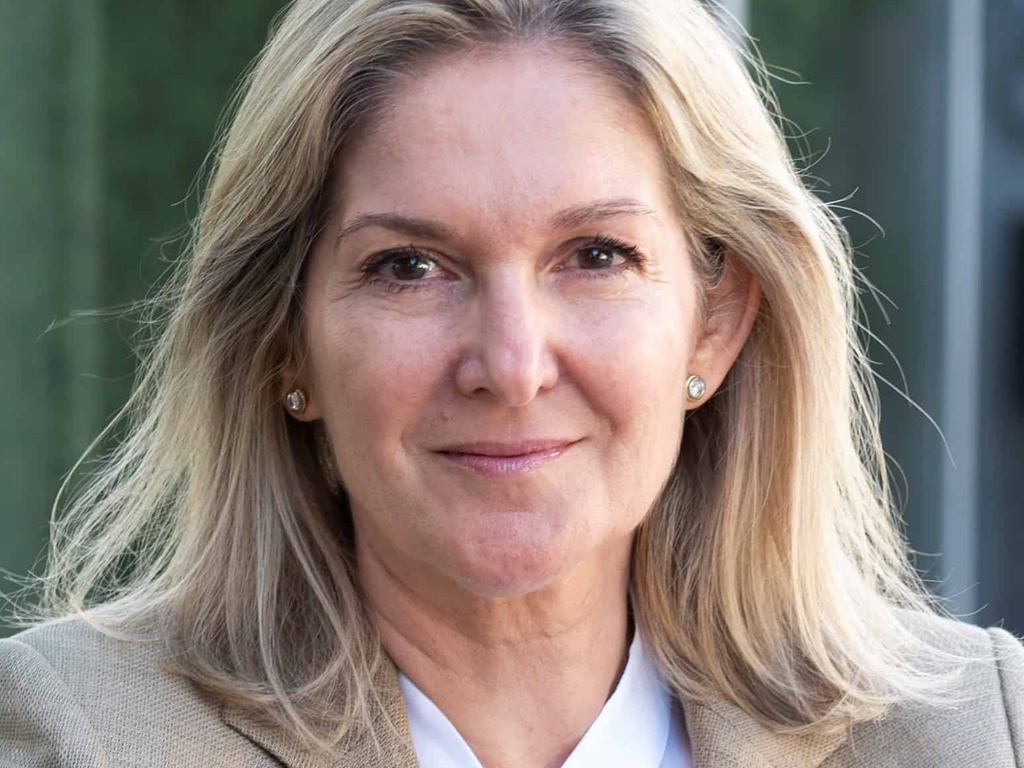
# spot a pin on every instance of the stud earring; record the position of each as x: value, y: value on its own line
x: 695, y: 388
x: 296, y: 401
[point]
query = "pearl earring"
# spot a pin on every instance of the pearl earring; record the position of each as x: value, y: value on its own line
x: 296, y: 401
x: 695, y: 388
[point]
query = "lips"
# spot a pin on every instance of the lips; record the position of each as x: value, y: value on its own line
x: 520, y: 448
x: 505, y: 459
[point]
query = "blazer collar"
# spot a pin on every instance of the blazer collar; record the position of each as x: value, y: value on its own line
x: 394, y: 749
x: 724, y: 736
x: 721, y: 736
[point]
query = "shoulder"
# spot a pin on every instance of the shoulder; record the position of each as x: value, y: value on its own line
x: 73, y: 695
x: 1009, y: 660
x: 979, y: 719
x: 82, y: 656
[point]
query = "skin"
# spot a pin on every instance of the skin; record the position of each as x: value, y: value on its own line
x: 499, y: 583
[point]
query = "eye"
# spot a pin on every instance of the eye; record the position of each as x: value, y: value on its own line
x: 606, y: 253
x: 598, y: 257
x: 405, y: 266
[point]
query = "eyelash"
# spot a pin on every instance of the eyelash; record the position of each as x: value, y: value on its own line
x: 634, y: 260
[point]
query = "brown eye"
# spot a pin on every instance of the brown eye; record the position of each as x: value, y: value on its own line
x: 598, y: 257
x: 606, y: 254
x: 408, y: 267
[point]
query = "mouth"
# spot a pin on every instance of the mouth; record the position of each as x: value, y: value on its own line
x: 505, y: 459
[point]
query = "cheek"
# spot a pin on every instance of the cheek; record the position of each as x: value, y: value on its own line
x: 371, y: 379
x: 632, y: 359
x: 632, y: 368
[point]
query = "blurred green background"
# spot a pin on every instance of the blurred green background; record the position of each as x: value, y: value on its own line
x: 913, y: 107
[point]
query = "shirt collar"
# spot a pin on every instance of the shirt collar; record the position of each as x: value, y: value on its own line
x: 632, y: 728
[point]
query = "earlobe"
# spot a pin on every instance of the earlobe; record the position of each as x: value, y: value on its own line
x: 730, y: 312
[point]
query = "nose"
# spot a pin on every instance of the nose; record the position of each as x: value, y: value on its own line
x: 508, y: 355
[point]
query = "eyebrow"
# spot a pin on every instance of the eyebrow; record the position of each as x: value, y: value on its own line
x: 579, y: 215
x: 567, y: 218
x: 403, y: 225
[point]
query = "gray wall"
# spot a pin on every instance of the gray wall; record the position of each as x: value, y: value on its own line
x: 910, y: 108
x: 1001, y: 359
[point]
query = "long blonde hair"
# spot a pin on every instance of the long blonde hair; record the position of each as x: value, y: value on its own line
x: 771, y: 571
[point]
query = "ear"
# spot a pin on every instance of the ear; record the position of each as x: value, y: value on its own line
x: 730, y: 310
x: 293, y: 378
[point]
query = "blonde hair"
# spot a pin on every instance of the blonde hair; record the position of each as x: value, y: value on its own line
x: 771, y: 571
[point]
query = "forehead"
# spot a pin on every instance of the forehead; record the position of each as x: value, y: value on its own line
x: 503, y: 137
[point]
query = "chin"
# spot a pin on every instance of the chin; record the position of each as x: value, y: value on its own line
x: 497, y: 584
x: 516, y: 566
x: 512, y: 566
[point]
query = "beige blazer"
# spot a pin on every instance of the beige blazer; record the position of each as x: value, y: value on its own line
x: 72, y: 697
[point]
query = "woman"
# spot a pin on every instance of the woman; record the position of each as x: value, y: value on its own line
x: 510, y: 412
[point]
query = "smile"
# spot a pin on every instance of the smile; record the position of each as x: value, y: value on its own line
x: 505, y: 459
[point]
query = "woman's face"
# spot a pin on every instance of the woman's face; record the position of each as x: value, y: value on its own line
x: 500, y: 320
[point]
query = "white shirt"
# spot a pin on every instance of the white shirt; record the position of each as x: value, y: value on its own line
x: 638, y: 726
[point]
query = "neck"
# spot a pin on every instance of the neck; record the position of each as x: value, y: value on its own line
x: 521, y: 678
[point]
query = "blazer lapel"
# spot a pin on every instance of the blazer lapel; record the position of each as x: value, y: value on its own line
x: 393, y: 749
x: 723, y: 736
